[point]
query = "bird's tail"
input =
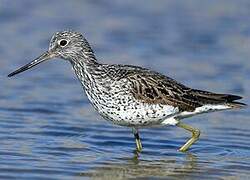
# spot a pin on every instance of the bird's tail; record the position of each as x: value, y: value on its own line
x: 214, y: 98
x: 236, y: 105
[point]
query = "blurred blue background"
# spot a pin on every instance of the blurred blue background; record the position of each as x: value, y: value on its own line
x: 49, y: 130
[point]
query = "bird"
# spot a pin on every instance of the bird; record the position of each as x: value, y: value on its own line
x: 133, y: 96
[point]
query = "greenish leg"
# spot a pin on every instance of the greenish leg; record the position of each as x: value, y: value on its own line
x: 137, y: 140
x: 195, y: 136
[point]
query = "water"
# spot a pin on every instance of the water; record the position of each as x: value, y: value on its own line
x: 48, y: 130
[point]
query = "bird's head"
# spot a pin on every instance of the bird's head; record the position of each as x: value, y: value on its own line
x: 67, y: 45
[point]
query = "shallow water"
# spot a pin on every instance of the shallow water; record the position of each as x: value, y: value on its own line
x: 49, y: 130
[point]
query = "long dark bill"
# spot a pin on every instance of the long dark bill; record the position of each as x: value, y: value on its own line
x: 45, y: 56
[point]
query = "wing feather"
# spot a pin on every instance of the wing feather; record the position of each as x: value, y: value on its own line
x: 154, y: 88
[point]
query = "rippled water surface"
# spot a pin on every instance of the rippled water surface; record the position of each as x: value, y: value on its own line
x: 49, y: 130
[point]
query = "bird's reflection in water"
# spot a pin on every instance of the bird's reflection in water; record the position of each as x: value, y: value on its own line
x: 181, y: 165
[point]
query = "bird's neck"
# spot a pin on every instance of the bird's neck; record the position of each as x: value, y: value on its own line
x: 86, y: 69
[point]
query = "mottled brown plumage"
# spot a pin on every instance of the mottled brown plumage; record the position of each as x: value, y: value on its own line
x: 154, y: 88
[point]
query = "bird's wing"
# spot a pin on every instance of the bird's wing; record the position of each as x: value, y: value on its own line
x: 154, y: 88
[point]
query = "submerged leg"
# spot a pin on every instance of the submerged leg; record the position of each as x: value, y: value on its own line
x: 137, y: 139
x: 195, y: 135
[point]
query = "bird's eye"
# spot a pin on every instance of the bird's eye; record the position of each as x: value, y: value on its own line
x: 63, y: 42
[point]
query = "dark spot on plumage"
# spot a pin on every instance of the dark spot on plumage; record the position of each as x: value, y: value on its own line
x: 150, y: 96
x: 154, y: 92
x: 132, y: 78
x: 163, y: 91
x: 147, y: 90
x: 139, y: 89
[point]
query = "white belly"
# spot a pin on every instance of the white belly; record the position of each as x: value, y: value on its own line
x: 133, y: 113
